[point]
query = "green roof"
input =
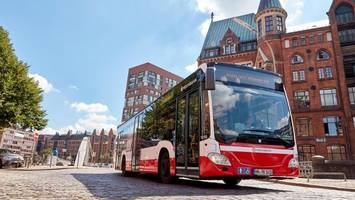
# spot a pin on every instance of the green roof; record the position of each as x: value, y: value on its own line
x: 243, y: 27
x: 265, y: 4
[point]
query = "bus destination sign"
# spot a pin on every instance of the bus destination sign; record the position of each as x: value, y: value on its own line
x: 247, y: 77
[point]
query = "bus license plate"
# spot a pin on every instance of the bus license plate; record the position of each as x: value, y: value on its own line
x: 244, y: 171
x: 263, y: 172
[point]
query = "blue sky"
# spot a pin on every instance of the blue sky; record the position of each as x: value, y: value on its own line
x: 80, y: 51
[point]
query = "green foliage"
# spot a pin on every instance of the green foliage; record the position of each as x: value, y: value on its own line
x: 20, y: 96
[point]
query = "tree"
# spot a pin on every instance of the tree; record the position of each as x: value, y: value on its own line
x: 20, y: 96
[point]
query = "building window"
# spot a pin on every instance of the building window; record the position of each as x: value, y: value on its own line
x: 229, y: 49
x: 325, y: 73
x: 248, y: 46
x: 279, y: 23
x: 302, y: 99
x: 295, y: 42
x: 332, y: 126
x: 304, y: 127
x: 269, y: 26
x: 297, y: 59
x: 347, y: 35
x: 351, y: 91
x: 328, y: 97
x: 323, y: 55
x: 211, y: 53
x: 349, y: 70
x: 260, y: 27
x: 344, y: 14
x: 298, y: 76
x: 305, y: 152
x: 336, y: 152
x: 303, y: 40
x: 311, y: 39
x: 320, y: 38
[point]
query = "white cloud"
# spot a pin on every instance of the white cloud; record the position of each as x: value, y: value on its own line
x: 48, y: 131
x: 226, y: 8
x: 43, y: 83
x: 73, y: 87
x: 230, y: 8
x: 92, y: 121
x: 90, y: 108
x: 192, y: 68
x: 294, y: 9
x: 308, y: 25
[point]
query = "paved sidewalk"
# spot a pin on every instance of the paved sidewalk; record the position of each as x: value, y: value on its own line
x: 336, y: 184
x: 40, y: 168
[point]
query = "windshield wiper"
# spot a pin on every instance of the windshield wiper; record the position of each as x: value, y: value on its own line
x: 259, y: 130
x: 270, y: 135
x: 286, y: 143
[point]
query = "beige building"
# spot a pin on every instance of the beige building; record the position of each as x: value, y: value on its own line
x: 20, y: 142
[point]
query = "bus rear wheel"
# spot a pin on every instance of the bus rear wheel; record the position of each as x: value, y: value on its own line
x: 164, y: 168
x: 230, y: 182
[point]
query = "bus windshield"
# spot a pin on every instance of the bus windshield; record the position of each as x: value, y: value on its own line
x: 251, y: 115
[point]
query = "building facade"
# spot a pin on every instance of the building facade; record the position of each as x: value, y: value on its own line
x: 18, y: 141
x: 43, y: 142
x: 317, y: 65
x: 103, y: 145
x: 67, y: 145
x: 146, y: 83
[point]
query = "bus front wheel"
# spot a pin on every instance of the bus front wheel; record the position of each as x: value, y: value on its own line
x: 123, y: 167
x: 164, y: 168
x: 230, y: 182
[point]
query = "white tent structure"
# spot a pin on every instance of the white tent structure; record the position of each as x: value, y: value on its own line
x: 84, y: 152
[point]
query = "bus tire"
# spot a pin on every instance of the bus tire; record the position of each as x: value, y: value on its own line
x: 164, y: 168
x: 123, y: 167
x: 230, y: 182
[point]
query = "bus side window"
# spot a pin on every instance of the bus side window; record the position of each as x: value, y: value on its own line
x: 165, y: 121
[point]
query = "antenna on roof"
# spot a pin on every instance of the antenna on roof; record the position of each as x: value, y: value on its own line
x: 212, y: 15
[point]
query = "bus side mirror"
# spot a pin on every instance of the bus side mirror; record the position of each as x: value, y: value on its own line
x: 210, y: 81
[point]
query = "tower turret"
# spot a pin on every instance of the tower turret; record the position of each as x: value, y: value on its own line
x: 270, y: 18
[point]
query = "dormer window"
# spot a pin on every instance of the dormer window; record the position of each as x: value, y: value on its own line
x: 211, y: 53
x: 229, y: 49
x: 297, y: 59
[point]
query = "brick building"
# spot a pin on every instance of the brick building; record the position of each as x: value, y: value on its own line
x: 317, y: 64
x: 43, y: 142
x: 102, y: 146
x: 145, y: 83
x: 67, y: 145
x: 18, y: 141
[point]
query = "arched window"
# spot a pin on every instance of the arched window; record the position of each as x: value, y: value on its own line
x: 323, y: 55
x: 296, y: 59
x: 344, y: 13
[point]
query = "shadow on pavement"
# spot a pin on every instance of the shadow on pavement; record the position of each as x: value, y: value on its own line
x: 114, y: 186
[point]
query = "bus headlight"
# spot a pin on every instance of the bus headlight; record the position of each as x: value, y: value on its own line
x: 219, y: 159
x: 293, y: 163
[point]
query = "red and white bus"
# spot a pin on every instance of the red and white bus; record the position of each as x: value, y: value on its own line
x: 224, y: 121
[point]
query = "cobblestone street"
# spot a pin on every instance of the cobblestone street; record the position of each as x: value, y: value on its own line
x: 95, y: 183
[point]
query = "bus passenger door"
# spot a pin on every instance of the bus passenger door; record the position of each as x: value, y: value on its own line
x: 187, y: 135
x: 136, y: 146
